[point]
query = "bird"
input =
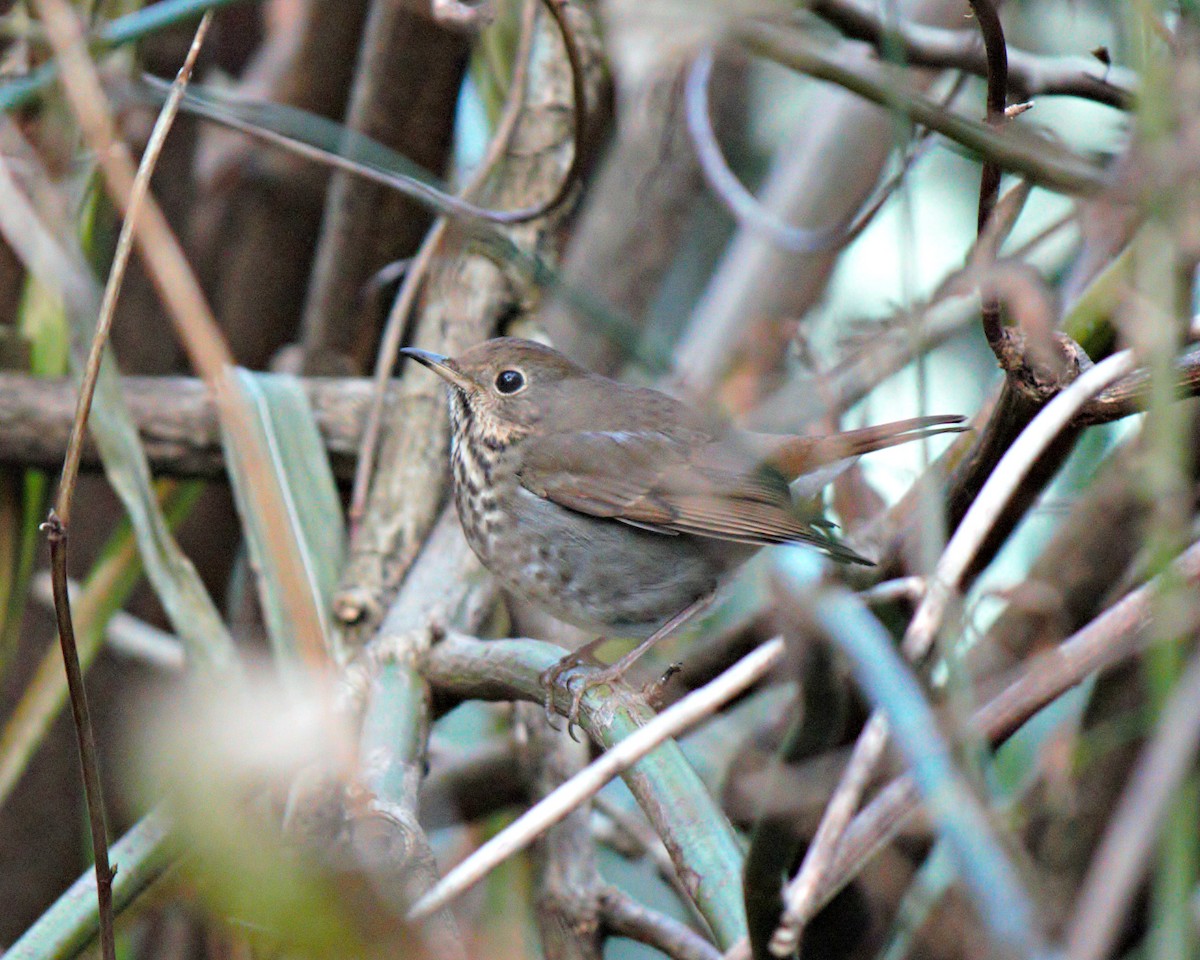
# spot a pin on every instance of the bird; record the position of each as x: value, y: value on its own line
x: 617, y: 508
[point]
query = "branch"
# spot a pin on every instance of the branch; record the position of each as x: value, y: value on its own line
x: 1016, y: 149
x: 625, y: 917
x: 989, y: 178
x: 176, y: 419
x: 1113, y: 636
x: 1029, y: 75
x: 697, y: 834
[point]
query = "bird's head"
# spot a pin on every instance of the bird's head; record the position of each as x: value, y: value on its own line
x: 504, y: 386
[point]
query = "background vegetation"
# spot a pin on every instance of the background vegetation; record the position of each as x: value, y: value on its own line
x: 309, y: 701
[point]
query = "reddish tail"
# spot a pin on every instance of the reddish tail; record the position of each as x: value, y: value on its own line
x: 801, y: 455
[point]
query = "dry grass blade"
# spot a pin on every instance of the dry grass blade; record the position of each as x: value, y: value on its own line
x: 194, y: 321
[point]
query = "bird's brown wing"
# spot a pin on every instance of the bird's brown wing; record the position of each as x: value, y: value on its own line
x: 669, y: 485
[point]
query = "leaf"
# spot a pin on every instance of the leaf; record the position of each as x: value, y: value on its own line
x: 288, y: 433
x: 60, y: 264
x: 113, y: 577
x: 116, y: 33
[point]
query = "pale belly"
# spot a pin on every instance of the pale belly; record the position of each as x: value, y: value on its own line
x: 599, y: 574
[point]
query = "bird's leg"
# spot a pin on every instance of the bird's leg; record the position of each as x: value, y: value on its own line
x: 552, y: 677
x: 595, y: 678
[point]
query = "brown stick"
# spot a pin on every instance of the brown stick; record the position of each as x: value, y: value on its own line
x: 176, y: 420
x: 1030, y: 75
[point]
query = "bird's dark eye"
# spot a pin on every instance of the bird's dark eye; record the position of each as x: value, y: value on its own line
x: 509, y: 381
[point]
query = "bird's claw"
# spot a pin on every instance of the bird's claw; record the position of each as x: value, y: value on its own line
x: 560, y: 676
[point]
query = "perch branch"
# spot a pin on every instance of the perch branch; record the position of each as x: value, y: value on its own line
x: 587, y: 783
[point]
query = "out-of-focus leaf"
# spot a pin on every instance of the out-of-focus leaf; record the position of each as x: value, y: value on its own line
x: 224, y: 758
x: 288, y: 432
x: 105, y: 591
x: 116, y: 33
x: 60, y: 264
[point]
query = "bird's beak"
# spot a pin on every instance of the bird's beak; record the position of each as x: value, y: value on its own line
x: 443, y: 366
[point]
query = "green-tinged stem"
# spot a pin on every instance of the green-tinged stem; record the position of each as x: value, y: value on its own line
x: 696, y: 832
x: 71, y: 923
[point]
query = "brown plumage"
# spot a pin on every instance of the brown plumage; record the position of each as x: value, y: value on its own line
x: 617, y: 506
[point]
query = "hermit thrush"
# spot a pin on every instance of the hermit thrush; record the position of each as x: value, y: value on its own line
x: 618, y: 508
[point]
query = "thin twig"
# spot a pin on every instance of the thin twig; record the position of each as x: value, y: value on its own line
x: 800, y: 893
x: 902, y: 588
x: 57, y: 524
x: 406, y: 299
x: 742, y: 204
x: 1030, y: 74
x: 116, y: 273
x: 625, y: 917
x: 689, y: 711
x: 959, y: 815
x: 445, y: 204
x: 57, y: 535
x: 955, y: 560
x: 191, y: 314
x: 989, y: 179
x: 1001, y: 485
x: 1111, y: 637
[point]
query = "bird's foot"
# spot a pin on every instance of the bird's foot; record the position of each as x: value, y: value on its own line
x: 576, y: 674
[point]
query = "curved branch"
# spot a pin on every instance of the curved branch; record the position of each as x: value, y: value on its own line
x: 1029, y: 74
x: 1015, y: 149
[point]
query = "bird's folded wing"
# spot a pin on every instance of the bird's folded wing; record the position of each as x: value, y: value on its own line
x: 667, y: 485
